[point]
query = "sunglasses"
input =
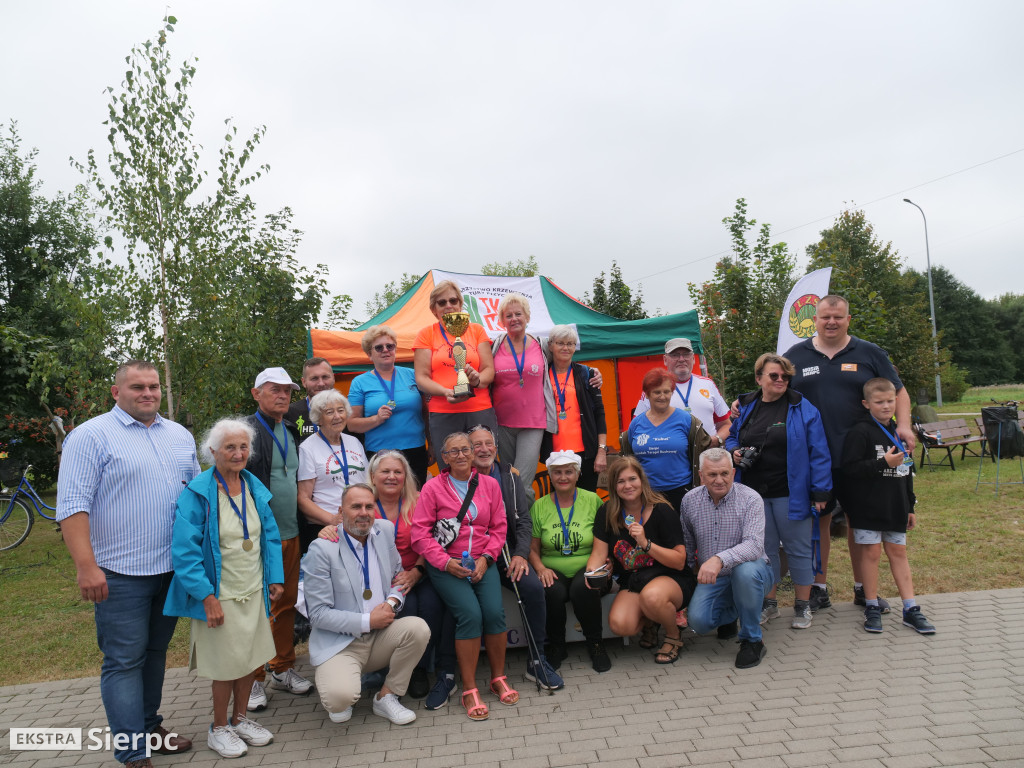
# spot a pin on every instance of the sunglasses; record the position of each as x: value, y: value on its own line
x: 383, y: 347
x: 449, y: 302
x: 776, y: 376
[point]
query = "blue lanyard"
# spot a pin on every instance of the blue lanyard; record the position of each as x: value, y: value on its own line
x: 565, y: 523
x: 685, y: 398
x: 625, y: 517
x: 283, y: 450
x: 241, y: 515
x: 891, y: 435
x: 384, y: 515
x: 389, y: 392
x: 519, y: 365
x: 343, y: 460
x: 561, y: 390
x: 364, y: 563
x: 441, y: 326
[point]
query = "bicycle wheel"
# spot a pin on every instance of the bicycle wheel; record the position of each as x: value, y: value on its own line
x: 15, y: 522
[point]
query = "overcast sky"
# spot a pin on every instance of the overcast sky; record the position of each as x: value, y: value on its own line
x: 407, y: 135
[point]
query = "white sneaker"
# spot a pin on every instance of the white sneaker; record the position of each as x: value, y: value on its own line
x: 225, y: 742
x: 769, y: 611
x: 802, y: 620
x: 257, y: 697
x: 341, y: 717
x: 251, y: 732
x: 291, y: 681
x: 391, y: 708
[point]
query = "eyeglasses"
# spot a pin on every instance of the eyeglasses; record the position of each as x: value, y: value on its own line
x: 564, y: 344
x: 458, y: 451
x: 776, y: 376
x: 448, y: 302
x: 383, y: 347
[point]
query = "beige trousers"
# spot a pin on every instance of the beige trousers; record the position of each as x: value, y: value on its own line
x: 399, y: 647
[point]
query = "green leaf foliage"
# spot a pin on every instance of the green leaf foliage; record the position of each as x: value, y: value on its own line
x: 615, y: 298
x: 208, y: 289
x: 740, y: 306
x: 514, y: 268
x: 390, y: 293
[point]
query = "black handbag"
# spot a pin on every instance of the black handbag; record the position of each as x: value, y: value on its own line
x: 447, y: 530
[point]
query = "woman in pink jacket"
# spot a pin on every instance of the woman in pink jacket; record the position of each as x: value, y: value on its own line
x: 472, y: 594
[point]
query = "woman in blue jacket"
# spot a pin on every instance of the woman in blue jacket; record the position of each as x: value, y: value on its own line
x: 226, y: 551
x: 780, y: 450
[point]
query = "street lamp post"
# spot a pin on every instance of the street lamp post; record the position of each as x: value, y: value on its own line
x: 931, y: 302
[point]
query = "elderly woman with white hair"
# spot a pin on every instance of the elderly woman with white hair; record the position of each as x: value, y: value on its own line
x: 387, y: 406
x: 328, y: 462
x: 578, y: 407
x: 226, y: 551
x: 563, y: 536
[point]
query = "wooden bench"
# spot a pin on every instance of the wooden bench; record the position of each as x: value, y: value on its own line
x: 955, y: 434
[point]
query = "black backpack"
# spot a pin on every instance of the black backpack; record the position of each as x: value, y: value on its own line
x: 1002, y: 429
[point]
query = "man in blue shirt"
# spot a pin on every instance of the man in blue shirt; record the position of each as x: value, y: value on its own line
x: 119, y: 480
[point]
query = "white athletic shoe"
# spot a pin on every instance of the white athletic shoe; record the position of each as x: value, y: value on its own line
x: 341, y: 717
x: 251, y: 732
x: 225, y: 742
x: 291, y: 681
x: 257, y: 697
x: 391, y: 708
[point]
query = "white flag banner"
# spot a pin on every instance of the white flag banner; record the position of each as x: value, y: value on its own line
x: 483, y: 293
x: 797, y: 321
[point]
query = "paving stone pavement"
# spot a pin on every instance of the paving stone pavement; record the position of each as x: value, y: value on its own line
x: 831, y: 695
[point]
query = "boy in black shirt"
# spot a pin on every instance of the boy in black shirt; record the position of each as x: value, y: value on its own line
x: 877, y: 493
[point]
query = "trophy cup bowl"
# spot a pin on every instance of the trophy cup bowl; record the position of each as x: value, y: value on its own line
x: 456, y: 324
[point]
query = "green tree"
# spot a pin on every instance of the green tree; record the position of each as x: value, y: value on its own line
x: 1009, y: 314
x: 513, y: 268
x: 741, y: 305
x: 53, y: 336
x: 968, y: 326
x: 208, y: 288
x: 390, y: 293
x: 888, y: 306
x: 615, y: 298
x: 339, y: 313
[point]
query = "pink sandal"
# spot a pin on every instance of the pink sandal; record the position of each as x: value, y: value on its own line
x: 476, y: 709
x: 510, y: 697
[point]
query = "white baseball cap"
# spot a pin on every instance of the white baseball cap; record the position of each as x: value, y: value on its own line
x: 563, y: 459
x: 274, y: 376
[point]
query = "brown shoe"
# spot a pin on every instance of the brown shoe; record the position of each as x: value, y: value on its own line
x: 171, y: 745
x: 145, y: 762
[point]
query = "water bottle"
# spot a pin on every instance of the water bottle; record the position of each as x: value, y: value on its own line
x: 938, y: 436
x: 468, y: 563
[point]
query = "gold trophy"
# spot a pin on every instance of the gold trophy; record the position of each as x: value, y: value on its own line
x: 456, y: 324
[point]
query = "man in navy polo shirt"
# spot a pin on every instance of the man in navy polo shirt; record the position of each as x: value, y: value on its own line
x: 831, y: 370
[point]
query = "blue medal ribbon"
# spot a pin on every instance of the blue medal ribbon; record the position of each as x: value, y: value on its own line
x: 384, y: 515
x: 891, y: 435
x: 364, y: 562
x: 342, y: 460
x: 629, y: 519
x: 520, y: 366
x: 389, y: 391
x: 282, y: 449
x: 566, y: 547
x: 685, y: 398
x: 561, y: 390
x: 242, y: 515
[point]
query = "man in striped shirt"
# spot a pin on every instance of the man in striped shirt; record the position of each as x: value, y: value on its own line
x: 723, y: 527
x: 119, y: 480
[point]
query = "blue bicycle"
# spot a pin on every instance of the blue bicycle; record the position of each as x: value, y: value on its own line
x: 15, y: 517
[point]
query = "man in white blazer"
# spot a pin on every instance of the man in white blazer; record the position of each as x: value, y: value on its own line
x: 352, y: 606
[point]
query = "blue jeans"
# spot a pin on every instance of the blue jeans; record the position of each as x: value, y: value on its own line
x: 795, y: 536
x: 133, y: 635
x: 737, y: 594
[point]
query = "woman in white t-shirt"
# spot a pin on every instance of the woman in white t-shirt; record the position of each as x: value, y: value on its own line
x: 328, y: 462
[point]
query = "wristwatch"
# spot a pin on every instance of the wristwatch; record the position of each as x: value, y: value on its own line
x: 489, y: 559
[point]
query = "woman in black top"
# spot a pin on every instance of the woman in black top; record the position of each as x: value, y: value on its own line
x: 638, y: 534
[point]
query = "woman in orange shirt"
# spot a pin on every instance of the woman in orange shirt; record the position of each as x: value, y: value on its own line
x: 435, y: 371
x: 579, y: 409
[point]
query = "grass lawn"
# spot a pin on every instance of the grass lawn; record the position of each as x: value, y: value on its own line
x: 964, y: 541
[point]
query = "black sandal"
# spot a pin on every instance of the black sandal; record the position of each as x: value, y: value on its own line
x: 649, y: 636
x: 675, y: 645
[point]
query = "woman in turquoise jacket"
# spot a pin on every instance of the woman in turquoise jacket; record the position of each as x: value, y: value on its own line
x: 780, y: 449
x: 226, y: 551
